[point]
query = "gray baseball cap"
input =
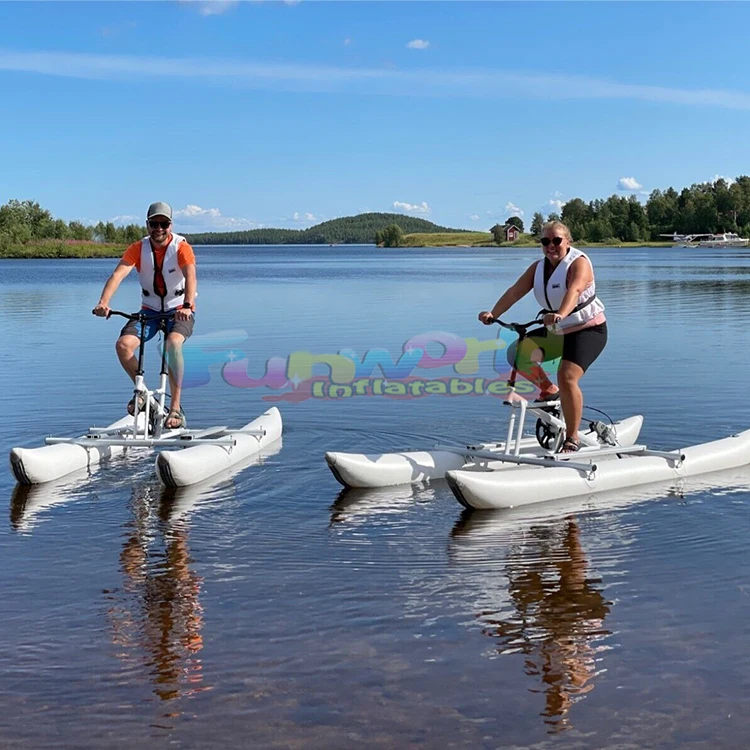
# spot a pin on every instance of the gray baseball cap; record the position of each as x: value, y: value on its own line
x: 159, y: 209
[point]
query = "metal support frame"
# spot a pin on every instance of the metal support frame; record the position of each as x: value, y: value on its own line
x: 544, y: 460
x: 174, y: 442
x: 104, y: 437
x: 563, y: 460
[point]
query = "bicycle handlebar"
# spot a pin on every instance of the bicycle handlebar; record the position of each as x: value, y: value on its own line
x: 153, y: 315
x: 519, y: 328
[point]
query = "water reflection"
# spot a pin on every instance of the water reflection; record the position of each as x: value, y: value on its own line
x: 29, y: 503
x: 358, y: 506
x: 555, y: 609
x: 156, y: 616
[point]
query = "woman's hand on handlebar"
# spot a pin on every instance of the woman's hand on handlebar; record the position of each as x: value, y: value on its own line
x: 551, y: 319
x: 486, y: 318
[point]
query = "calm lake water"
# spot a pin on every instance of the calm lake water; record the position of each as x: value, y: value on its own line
x: 270, y: 609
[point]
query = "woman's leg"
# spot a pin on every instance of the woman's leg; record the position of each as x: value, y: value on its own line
x: 580, y: 350
x: 533, y: 352
x: 571, y: 397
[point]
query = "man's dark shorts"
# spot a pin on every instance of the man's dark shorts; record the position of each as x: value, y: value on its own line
x: 185, y: 327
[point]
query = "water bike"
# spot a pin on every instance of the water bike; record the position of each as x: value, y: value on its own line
x: 205, y: 452
x: 529, y: 469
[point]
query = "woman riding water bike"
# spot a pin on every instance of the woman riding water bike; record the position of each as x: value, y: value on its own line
x: 575, y: 325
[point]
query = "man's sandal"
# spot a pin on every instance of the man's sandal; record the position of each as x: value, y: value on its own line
x: 175, y: 415
x: 141, y: 404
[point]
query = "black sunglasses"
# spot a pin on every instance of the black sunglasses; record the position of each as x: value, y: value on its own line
x: 159, y: 224
x: 556, y: 241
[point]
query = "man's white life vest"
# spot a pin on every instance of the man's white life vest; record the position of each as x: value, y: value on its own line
x: 550, y: 295
x: 174, y: 279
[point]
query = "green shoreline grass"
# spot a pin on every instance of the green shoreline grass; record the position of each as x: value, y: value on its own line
x: 67, y: 249
x: 484, y: 239
x: 63, y: 249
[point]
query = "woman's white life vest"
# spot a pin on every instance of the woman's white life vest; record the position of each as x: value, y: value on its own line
x: 174, y: 279
x: 551, y: 295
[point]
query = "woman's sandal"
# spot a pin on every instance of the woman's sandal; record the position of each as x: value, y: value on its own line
x: 549, y: 397
x: 141, y: 404
x: 175, y: 415
x: 570, y: 445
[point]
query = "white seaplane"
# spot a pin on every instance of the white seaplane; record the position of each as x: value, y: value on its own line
x: 724, y: 239
x: 523, y: 470
x: 205, y: 452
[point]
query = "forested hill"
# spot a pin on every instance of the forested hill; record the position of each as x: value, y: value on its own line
x: 353, y: 230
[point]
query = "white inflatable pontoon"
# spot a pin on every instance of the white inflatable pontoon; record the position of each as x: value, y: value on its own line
x: 203, y: 452
x: 415, y: 467
x: 523, y: 485
x: 191, y: 465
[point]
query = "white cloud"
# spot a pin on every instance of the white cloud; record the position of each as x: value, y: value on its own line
x: 431, y: 82
x: 347, y: 42
x: 555, y: 204
x: 193, y: 218
x: 628, y: 183
x: 126, y: 219
x: 411, y: 208
x: 296, y: 216
x: 211, y: 7
x: 418, y: 44
x: 717, y: 177
x: 475, y: 217
x: 497, y: 214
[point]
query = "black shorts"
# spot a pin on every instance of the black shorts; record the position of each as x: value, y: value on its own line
x: 584, y: 346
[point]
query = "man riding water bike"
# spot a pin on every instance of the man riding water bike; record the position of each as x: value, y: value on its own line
x: 166, y: 267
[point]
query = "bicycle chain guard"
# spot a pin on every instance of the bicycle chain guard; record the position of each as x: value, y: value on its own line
x: 547, y: 434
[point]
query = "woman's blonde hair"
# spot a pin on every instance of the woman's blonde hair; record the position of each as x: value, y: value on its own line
x: 558, y: 226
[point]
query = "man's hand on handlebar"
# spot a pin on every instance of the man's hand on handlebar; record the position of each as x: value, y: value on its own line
x: 183, y: 313
x: 486, y: 318
x: 101, y: 311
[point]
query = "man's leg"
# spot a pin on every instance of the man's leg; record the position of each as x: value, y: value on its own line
x: 125, y: 348
x: 176, y: 372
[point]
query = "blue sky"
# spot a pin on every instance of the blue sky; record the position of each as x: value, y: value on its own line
x: 245, y: 114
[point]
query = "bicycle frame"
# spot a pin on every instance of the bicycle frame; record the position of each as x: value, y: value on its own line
x: 516, y: 401
x: 155, y: 410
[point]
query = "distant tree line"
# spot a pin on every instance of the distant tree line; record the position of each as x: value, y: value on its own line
x: 349, y: 230
x: 707, y: 207
x: 704, y: 207
x: 24, y: 222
